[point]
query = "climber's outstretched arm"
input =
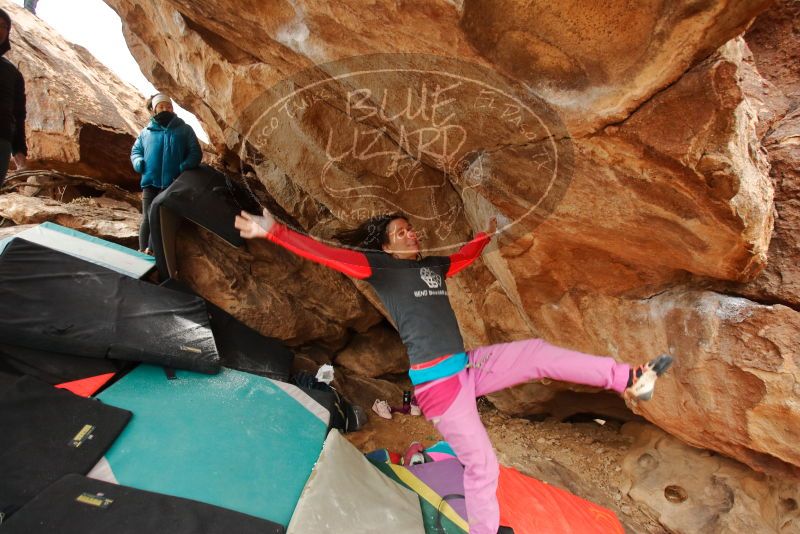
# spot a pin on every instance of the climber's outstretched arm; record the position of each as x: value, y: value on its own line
x: 470, y: 252
x: 265, y: 226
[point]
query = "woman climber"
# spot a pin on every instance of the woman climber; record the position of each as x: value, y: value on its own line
x: 447, y: 378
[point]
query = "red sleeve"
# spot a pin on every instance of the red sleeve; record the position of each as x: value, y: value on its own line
x: 345, y: 261
x: 467, y: 254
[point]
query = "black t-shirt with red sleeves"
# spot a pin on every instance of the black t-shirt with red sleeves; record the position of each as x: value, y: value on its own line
x: 415, y: 295
x: 413, y: 291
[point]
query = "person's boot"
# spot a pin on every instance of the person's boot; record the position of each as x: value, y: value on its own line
x: 642, y: 381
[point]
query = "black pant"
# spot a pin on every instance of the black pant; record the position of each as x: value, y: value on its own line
x: 148, y: 195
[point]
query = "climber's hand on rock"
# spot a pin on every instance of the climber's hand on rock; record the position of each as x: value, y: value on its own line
x: 251, y: 226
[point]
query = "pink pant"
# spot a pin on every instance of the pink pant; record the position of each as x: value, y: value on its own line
x: 498, y: 367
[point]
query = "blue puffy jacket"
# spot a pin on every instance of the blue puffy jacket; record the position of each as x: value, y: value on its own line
x: 161, y: 154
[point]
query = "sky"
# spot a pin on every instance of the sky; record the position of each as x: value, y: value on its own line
x: 95, y: 26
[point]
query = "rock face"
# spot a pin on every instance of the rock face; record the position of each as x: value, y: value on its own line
x: 691, y: 490
x: 82, y: 119
x: 363, y: 391
x: 101, y: 217
x: 628, y: 169
x: 773, y: 39
x: 376, y: 352
x: 273, y: 291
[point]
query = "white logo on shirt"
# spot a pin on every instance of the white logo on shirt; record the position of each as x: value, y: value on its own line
x: 430, y: 277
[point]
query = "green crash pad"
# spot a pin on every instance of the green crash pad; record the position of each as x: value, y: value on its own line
x: 234, y: 440
x: 346, y: 494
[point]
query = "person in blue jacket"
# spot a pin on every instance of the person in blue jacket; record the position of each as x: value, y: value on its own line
x: 165, y: 148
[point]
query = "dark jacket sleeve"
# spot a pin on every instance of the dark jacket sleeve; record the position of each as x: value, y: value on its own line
x: 18, y: 144
x: 193, y: 154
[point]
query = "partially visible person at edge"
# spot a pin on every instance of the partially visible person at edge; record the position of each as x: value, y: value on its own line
x: 446, y: 377
x: 165, y: 148
x: 12, y: 106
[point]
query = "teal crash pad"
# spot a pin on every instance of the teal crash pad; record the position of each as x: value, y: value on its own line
x: 234, y: 440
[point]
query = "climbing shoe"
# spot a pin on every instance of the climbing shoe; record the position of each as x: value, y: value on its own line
x: 642, y: 380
